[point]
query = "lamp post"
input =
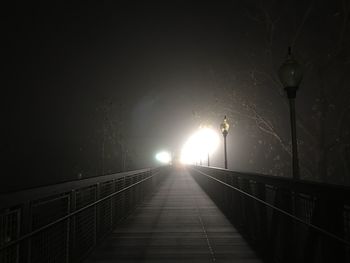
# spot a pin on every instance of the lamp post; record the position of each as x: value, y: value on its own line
x: 224, y: 129
x: 290, y: 74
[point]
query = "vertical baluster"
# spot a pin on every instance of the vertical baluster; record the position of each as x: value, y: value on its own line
x: 264, y: 247
x: 72, y: 222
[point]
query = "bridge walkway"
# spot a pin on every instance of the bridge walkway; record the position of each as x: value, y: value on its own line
x: 177, y: 223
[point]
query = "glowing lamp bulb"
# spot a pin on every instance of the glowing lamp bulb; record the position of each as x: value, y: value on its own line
x: 199, y: 145
x: 163, y: 157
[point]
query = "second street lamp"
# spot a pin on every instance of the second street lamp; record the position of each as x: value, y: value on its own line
x: 224, y: 129
x: 290, y: 74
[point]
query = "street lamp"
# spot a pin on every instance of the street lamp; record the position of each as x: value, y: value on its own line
x: 224, y: 129
x: 290, y: 74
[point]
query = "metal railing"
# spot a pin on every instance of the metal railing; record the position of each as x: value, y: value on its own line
x: 284, y: 220
x: 63, y: 222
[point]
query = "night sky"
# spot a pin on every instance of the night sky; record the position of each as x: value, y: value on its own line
x: 135, y: 78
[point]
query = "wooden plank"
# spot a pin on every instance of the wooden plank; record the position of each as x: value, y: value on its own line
x: 178, y: 223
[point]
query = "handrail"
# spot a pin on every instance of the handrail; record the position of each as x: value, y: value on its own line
x: 325, y: 232
x: 13, y: 198
x: 28, y: 235
x: 305, y: 186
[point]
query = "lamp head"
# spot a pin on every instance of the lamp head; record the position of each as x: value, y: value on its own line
x: 290, y: 74
x: 224, y: 126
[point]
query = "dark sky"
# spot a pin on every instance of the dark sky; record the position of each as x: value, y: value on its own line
x: 66, y: 54
x: 153, y: 62
x: 66, y: 59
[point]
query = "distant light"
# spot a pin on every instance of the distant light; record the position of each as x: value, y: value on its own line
x: 205, y: 141
x: 163, y: 157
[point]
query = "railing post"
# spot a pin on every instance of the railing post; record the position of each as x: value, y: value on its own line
x: 73, y: 204
x: 230, y: 197
x: 262, y: 221
x: 26, y: 227
x: 68, y: 224
x: 97, y: 212
x: 335, y: 224
x: 283, y: 228
x: 247, y: 206
x: 226, y: 191
x: 236, y: 216
x: 123, y: 198
x: 112, y: 202
x: 318, y: 244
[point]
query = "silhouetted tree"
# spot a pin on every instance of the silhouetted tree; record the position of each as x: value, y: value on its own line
x: 253, y: 94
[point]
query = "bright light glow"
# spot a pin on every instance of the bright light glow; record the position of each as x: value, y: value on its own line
x: 163, y: 157
x: 205, y: 141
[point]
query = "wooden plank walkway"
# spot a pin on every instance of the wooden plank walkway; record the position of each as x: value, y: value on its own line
x: 178, y: 223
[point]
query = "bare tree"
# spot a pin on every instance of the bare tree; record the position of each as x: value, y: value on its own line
x: 323, y: 128
x: 114, y: 147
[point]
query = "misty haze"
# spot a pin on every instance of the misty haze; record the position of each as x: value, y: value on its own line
x: 215, y: 121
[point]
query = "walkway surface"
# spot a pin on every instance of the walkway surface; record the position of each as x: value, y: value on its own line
x: 178, y: 223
